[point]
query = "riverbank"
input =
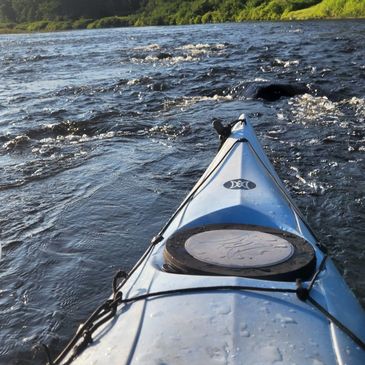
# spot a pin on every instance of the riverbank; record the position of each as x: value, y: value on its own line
x: 203, y: 12
x: 52, y: 26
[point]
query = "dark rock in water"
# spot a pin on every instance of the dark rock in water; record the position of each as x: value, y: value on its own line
x: 220, y: 91
x: 163, y: 55
x: 210, y: 90
x: 122, y: 82
x: 272, y: 92
x: 329, y: 139
x: 158, y: 86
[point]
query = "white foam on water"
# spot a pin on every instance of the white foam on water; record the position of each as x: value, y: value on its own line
x: 358, y: 105
x: 307, y: 108
x: 18, y: 140
x: 202, y: 46
x: 285, y: 63
x: 150, y: 47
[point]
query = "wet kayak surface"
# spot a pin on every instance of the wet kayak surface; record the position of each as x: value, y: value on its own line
x: 102, y: 134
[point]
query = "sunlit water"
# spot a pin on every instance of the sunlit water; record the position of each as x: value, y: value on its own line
x: 102, y: 134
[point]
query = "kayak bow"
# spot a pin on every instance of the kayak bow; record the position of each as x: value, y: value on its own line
x: 236, y: 276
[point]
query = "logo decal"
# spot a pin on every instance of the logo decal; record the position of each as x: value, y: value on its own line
x: 239, y: 184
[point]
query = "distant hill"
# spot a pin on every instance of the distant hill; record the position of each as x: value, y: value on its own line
x: 67, y: 14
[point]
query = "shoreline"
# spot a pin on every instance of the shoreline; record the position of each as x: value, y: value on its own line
x: 49, y: 26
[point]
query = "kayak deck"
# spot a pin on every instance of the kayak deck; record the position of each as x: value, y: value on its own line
x: 167, y: 316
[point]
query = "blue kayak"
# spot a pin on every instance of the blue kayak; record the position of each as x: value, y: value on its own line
x: 236, y: 276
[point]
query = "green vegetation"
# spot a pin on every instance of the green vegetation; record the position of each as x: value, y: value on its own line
x: 22, y: 11
x: 112, y: 22
x: 52, y: 15
x: 330, y: 9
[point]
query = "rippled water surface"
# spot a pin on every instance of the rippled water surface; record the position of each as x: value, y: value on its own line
x: 102, y: 134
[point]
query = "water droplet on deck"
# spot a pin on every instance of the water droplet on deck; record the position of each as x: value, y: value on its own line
x: 284, y: 319
x: 270, y: 354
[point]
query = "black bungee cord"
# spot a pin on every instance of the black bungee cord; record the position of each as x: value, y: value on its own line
x: 109, y: 308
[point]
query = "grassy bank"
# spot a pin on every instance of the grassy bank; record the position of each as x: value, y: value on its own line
x: 179, y: 12
x: 329, y: 9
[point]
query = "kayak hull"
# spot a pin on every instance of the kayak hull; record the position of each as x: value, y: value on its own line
x: 218, y: 319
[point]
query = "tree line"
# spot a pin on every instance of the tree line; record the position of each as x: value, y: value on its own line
x: 20, y: 11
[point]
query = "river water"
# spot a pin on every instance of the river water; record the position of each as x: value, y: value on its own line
x: 103, y: 132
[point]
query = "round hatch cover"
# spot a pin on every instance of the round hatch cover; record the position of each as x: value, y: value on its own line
x: 240, y: 250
